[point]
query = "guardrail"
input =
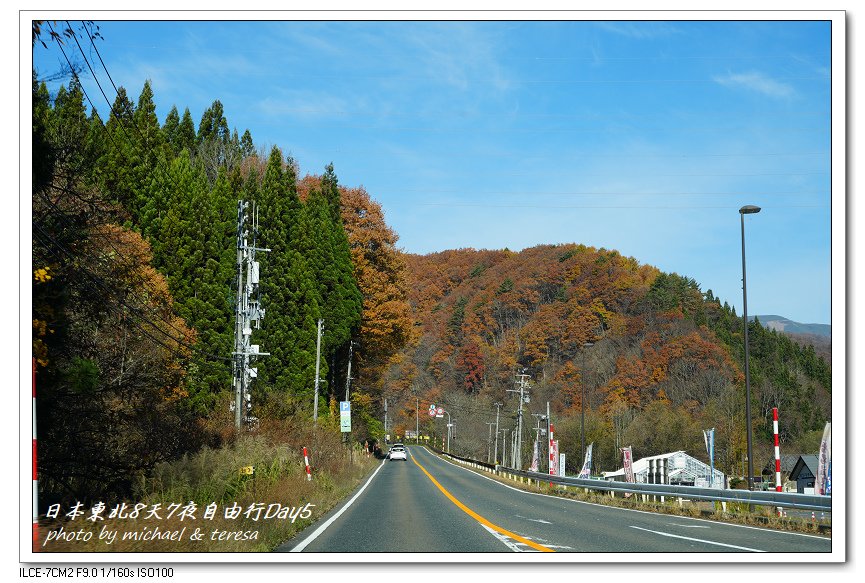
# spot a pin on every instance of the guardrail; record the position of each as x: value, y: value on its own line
x: 782, y: 499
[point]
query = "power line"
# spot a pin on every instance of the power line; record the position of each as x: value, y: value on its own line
x: 596, y: 207
x: 610, y: 193
x: 560, y: 130
x: 120, y: 123
x: 89, y: 285
x: 107, y: 293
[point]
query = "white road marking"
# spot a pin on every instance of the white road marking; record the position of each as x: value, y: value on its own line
x: 542, y: 521
x: 685, y: 525
x: 716, y: 522
x: 511, y: 544
x: 699, y: 540
x: 330, y: 521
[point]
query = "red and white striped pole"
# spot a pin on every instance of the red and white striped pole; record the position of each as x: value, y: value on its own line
x: 777, y: 450
x: 35, y: 474
x: 306, y: 461
x: 552, y: 454
x: 777, y: 454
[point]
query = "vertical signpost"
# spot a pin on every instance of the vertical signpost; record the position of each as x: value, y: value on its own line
x: 345, y: 416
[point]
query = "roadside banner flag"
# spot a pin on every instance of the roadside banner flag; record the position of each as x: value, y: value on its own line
x: 822, y: 481
x: 587, y: 464
x: 627, y: 458
x: 829, y: 479
x: 709, y: 438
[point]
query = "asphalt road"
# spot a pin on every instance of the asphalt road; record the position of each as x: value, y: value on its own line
x: 429, y: 505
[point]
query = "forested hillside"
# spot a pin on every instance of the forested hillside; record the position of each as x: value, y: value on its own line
x: 134, y: 249
x: 658, y: 359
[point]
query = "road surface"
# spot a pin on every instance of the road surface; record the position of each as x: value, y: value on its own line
x: 430, y: 505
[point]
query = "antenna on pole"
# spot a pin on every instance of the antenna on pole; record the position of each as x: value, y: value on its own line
x: 247, y: 313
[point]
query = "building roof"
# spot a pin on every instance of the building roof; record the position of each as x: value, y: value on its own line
x: 788, y: 461
x: 684, y: 467
x: 804, y: 465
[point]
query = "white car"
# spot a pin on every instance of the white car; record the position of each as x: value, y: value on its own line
x: 397, y: 453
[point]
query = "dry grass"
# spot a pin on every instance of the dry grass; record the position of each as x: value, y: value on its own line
x: 214, y: 475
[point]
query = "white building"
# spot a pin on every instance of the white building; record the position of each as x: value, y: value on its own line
x: 682, y: 470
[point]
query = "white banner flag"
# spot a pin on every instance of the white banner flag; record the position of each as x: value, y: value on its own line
x: 587, y: 464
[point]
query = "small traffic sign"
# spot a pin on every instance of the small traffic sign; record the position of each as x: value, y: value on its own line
x: 345, y: 416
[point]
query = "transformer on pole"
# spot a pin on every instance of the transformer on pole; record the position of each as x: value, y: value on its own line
x: 248, y: 313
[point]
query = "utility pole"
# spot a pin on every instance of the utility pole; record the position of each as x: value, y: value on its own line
x: 523, y: 388
x: 504, y: 446
x: 348, y: 374
x: 489, y: 439
x: 385, y: 418
x: 416, y: 420
x: 347, y: 382
x: 549, y: 441
x: 539, y: 432
x: 496, y: 454
x: 247, y: 313
x: 319, y: 329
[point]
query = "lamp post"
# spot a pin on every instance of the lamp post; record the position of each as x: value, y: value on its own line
x: 583, y: 406
x: 747, y: 210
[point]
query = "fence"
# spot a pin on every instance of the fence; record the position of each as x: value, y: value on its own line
x: 770, y: 498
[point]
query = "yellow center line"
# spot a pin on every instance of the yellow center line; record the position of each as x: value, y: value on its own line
x: 480, y: 518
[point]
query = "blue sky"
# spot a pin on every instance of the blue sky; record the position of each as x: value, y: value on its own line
x: 644, y: 137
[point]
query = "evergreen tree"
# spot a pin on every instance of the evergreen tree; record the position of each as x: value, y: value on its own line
x: 115, y: 176
x: 247, y: 148
x: 289, y: 291
x: 213, y: 124
x: 149, y: 172
x: 171, y: 128
x: 186, y: 133
x: 322, y: 239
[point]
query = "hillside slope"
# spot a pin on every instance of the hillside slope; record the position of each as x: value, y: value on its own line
x: 657, y: 359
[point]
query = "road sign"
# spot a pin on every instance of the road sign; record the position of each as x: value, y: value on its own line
x: 432, y: 410
x: 345, y: 416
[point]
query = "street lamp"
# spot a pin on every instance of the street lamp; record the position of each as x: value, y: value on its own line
x: 747, y: 210
x: 583, y: 406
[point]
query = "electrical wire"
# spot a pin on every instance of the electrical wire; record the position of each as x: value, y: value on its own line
x: 106, y: 293
x: 168, y: 323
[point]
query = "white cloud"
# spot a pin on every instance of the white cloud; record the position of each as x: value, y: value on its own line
x: 758, y: 82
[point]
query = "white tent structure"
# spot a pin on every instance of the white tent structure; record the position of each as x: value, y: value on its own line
x: 682, y: 470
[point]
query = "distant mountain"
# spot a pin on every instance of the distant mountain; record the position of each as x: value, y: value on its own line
x: 782, y: 324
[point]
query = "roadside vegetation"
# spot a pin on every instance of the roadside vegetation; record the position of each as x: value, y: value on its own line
x: 277, y: 485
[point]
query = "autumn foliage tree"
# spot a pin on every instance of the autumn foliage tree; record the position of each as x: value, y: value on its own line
x: 645, y: 354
